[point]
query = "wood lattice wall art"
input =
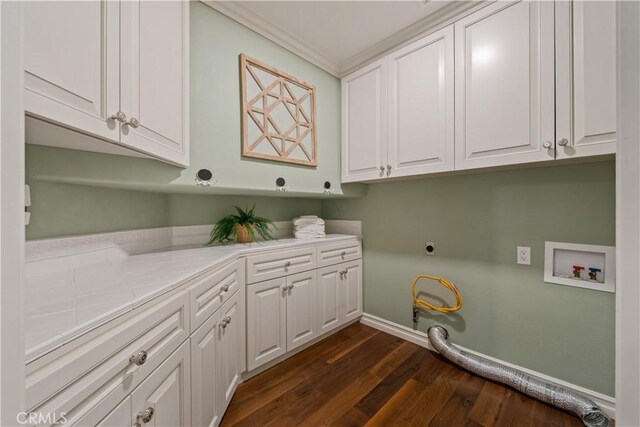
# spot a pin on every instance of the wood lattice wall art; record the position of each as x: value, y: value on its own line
x: 278, y: 115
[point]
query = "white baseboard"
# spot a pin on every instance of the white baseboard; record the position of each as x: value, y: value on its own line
x: 607, y: 403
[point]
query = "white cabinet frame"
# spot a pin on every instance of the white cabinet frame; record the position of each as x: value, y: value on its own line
x: 422, y: 90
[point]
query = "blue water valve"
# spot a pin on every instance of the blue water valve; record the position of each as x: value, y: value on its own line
x: 593, y: 273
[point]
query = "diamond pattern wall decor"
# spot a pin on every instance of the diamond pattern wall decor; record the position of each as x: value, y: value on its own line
x: 278, y: 115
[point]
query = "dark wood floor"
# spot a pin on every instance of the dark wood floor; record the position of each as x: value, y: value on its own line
x: 361, y: 376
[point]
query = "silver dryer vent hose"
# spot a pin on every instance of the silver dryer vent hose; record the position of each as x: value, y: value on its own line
x: 590, y: 414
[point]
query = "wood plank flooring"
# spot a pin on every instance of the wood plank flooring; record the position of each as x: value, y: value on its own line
x: 363, y: 377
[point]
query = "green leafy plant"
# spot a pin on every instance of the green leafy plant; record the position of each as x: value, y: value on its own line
x: 246, y: 221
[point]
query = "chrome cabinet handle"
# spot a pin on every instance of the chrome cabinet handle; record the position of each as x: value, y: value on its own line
x: 343, y: 254
x: 226, y: 321
x: 290, y: 287
x: 284, y: 288
x: 119, y: 116
x: 388, y: 170
x: 343, y: 273
x: 225, y: 288
x: 133, y: 122
x: 563, y: 142
x: 146, y: 415
x: 287, y: 264
x: 547, y: 144
x: 381, y: 168
x: 138, y: 358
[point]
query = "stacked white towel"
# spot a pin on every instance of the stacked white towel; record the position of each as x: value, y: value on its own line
x: 308, y: 227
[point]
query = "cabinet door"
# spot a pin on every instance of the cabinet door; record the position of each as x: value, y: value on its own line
x: 301, y: 309
x: 231, y: 350
x: 71, y: 63
x: 505, y: 85
x: 205, y: 381
x: 120, y: 415
x: 421, y: 106
x: 167, y: 391
x: 351, y: 290
x: 155, y: 77
x: 266, y: 322
x: 585, y: 78
x: 329, y: 288
x: 364, y: 123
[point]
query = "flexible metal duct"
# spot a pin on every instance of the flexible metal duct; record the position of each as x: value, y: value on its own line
x: 590, y: 414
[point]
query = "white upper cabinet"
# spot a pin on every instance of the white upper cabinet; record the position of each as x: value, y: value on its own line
x: 364, y: 123
x: 72, y: 64
x: 505, y: 85
x: 585, y: 78
x: 118, y: 71
x: 421, y: 106
x: 155, y: 77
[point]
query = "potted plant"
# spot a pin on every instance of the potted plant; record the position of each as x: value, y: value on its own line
x: 241, y: 228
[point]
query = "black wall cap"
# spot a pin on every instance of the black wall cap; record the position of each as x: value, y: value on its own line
x: 204, y: 174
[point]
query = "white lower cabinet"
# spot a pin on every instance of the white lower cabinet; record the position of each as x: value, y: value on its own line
x: 231, y: 348
x: 286, y: 313
x: 266, y: 322
x: 164, y: 398
x: 301, y: 309
x: 339, y: 295
x: 120, y: 416
x: 329, y: 281
x: 351, y: 294
x: 281, y: 316
x: 205, y: 381
x: 179, y: 361
x: 217, y: 360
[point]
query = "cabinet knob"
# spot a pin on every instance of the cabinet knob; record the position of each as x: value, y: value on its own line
x: 133, y: 122
x: 119, y: 116
x: 287, y: 264
x: 284, y: 288
x: 343, y: 254
x: 138, y: 358
x: 381, y: 168
x: 547, y: 144
x: 290, y: 287
x: 146, y: 415
x: 388, y: 170
x: 225, y: 321
x: 563, y: 142
x: 225, y: 288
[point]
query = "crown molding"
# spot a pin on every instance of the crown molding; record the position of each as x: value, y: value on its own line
x: 242, y: 15
x: 442, y: 17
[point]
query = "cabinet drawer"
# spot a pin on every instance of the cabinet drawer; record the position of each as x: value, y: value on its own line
x: 210, y: 293
x: 339, y: 252
x: 281, y: 263
x: 90, y: 372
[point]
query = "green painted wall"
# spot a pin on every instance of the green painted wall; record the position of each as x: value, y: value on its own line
x: 476, y: 222
x: 215, y: 133
x: 69, y: 209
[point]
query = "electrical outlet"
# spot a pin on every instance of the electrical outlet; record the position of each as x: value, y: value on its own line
x: 524, y: 255
x: 430, y: 248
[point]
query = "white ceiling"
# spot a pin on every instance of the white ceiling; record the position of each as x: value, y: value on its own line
x: 336, y: 35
